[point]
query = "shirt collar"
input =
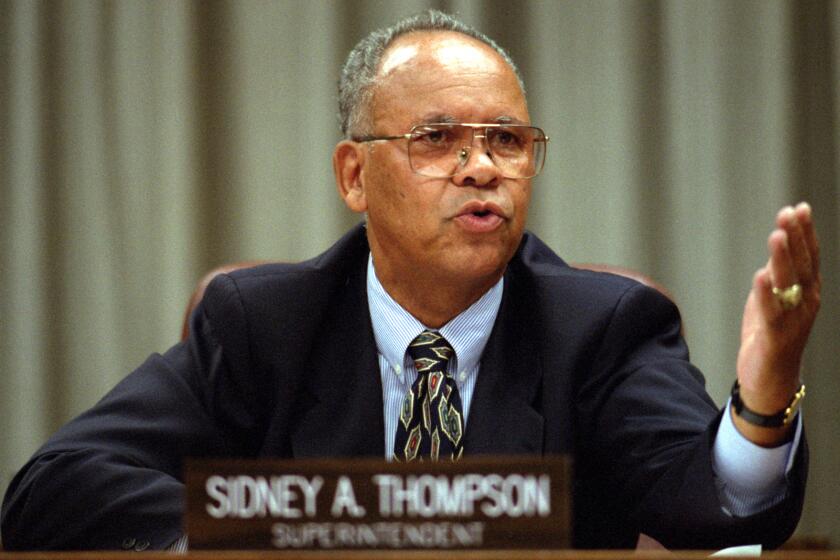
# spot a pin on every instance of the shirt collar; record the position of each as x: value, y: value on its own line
x: 394, y: 328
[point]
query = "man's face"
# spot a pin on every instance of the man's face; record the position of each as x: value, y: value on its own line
x: 465, y: 228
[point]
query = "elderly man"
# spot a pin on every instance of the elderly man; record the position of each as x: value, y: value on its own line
x: 441, y: 302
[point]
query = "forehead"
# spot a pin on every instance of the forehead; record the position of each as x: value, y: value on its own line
x: 426, y: 75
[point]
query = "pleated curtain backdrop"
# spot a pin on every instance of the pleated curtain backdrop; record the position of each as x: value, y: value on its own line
x: 142, y: 143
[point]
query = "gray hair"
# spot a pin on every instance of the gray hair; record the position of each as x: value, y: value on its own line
x: 358, y: 76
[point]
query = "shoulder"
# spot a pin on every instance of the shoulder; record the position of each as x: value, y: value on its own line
x: 282, y: 301
x: 303, y: 283
x: 562, y: 298
x: 537, y: 264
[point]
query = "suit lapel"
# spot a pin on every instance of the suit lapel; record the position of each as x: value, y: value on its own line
x: 343, y: 383
x: 341, y: 414
x: 502, y: 417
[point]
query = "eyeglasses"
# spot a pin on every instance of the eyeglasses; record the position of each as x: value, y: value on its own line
x: 439, y: 150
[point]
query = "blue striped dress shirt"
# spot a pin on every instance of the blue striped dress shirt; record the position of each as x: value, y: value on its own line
x: 394, y: 328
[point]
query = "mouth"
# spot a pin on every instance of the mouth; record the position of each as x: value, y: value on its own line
x: 480, y: 216
x: 482, y: 208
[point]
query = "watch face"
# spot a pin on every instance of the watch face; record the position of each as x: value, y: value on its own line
x: 793, y: 407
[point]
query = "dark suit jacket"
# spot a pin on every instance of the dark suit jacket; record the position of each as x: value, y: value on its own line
x: 282, y: 363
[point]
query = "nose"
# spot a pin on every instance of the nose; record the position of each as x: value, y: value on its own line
x: 476, y: 167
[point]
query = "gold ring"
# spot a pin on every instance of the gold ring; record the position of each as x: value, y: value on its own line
x: 789, y: 297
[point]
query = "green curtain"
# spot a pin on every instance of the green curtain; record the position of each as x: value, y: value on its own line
x: 142, y: 143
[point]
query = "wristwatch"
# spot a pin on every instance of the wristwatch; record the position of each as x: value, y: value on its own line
x: 781, y: 418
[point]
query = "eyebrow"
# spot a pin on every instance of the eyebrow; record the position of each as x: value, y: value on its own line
x: 508, y: 120
x: 449, y: 119
x: 438, y: 118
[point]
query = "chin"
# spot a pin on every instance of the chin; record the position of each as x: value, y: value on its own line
x: 476, y: 266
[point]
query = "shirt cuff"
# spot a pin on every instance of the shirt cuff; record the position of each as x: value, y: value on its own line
x: 749, y: 476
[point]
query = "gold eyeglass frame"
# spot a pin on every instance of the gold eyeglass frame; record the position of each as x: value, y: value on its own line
x: 465, y: 151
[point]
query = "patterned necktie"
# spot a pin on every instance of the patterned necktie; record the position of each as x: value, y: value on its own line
x: 431, y: 422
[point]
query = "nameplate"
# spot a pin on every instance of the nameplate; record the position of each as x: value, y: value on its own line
x: 475, y: 503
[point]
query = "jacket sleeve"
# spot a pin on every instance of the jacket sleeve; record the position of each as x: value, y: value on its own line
x: 112, y: 477
x: 648, y: 429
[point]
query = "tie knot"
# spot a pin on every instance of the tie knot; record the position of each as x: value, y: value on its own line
x: 430, y: 352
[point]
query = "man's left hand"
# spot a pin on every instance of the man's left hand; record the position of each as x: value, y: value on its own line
x: 773, y: 335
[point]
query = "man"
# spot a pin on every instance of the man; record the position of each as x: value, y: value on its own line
x: 313, y: 359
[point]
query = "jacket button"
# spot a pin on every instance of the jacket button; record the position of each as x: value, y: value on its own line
x: 129, y: 543
x: 141, y: 545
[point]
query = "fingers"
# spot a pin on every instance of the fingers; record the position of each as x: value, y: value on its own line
x: 809, y: 231
x: 797, y: 249
x: 794, y: 249
x: 802, y: 244
x: 763, y: 290
x: 782, y: 269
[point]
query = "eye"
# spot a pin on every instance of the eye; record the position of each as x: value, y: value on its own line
x: 433, y: 136
x: 506, y: 139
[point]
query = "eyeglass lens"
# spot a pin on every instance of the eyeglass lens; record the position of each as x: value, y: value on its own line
x: 438, y: 150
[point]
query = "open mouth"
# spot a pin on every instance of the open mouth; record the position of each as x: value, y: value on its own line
x: 481, y: 218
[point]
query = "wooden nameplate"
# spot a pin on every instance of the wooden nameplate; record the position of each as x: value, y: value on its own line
x: 475, y: 503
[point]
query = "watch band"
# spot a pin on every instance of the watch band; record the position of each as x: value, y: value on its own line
x: 781, y: 418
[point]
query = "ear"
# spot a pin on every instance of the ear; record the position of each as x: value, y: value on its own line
x: 348, y: 160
